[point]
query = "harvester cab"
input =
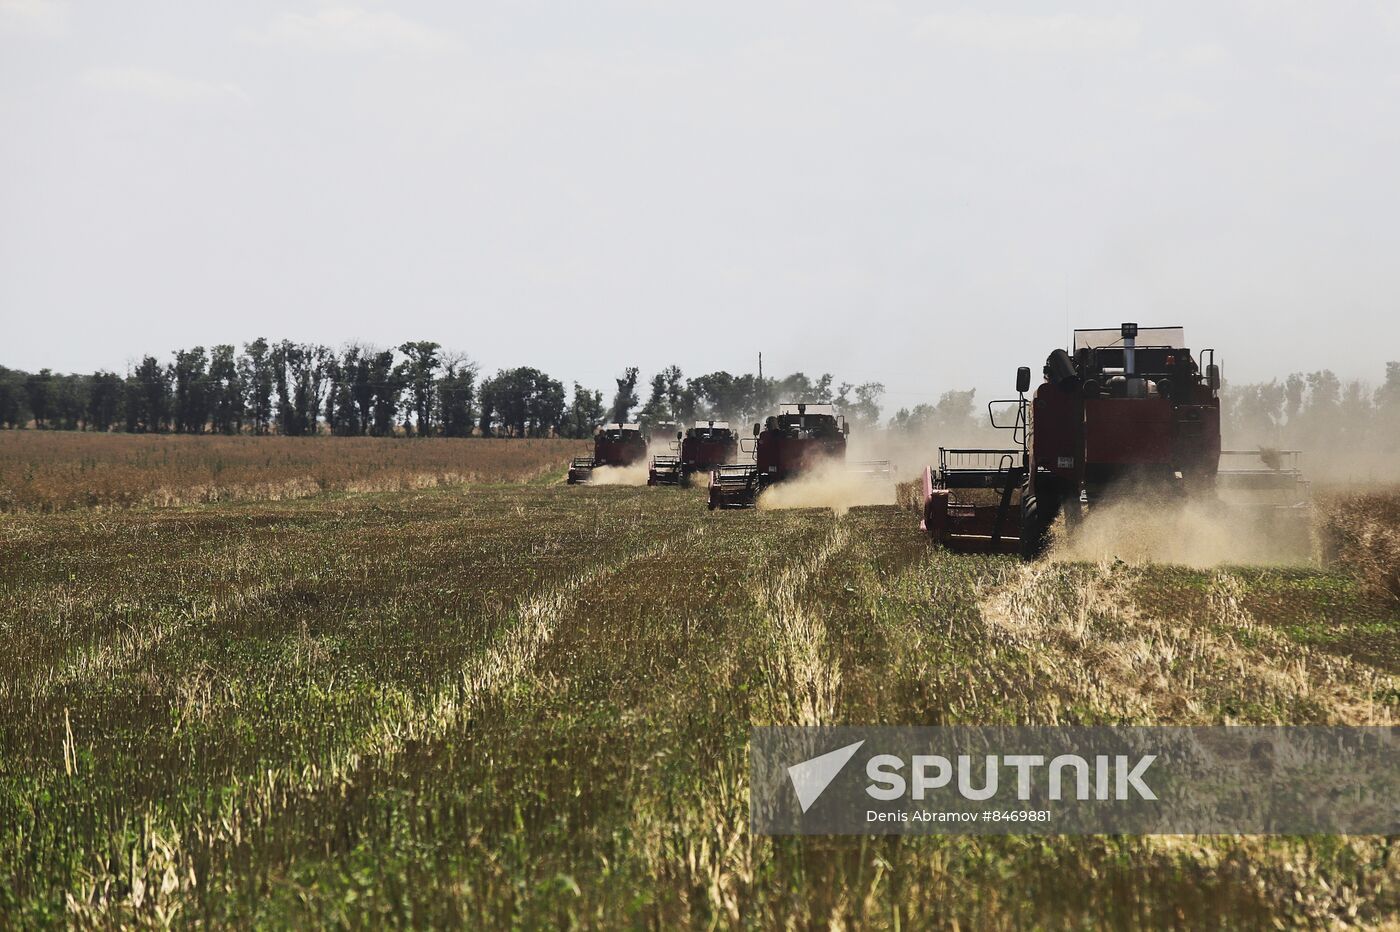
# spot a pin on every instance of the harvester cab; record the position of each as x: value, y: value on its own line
x: 795, y: 440
x: 1128, y: 411
x: 700, y: 449
x: 613, y: 445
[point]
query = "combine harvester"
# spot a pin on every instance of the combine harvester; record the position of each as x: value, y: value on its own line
x: 795, y: 441
x: 613, y: 445
x: 1130, y: 414
x: 702, y: 448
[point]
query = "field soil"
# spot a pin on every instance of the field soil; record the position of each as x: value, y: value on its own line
x: 530, y: 705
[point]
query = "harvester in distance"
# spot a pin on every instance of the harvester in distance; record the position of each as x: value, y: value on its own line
x: 1131, y: 413
x: 794, y: 441
x: 701, y: 448
x: 613, y: 445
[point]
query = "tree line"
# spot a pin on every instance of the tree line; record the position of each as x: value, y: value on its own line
x: 414, y: 389
x: 1316, y: 412
x: 420, y: 389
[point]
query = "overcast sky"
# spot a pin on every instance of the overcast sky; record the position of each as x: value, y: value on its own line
x: 925, y: 195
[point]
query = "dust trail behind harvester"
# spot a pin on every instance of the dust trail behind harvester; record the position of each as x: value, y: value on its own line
x: 830, y: 485
x: 636, y: 474
x: 1200, y: 533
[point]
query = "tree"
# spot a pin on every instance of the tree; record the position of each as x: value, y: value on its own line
x: 225, y: 390
x: 454, y: 392
x: 256, y: 376
x: 191, y: 377
x: 525, y: 403
x: 148, y: 397
x: 104, y: 401
x: 12, y: 410
x: 38, y: 392
x: 657, y: 410
x: 486, y: 408
x: 69, y: 402
x: 419, y: 373
x: 521, y: 402
x: 286, y: 414
x: 953, y: 416
x: 865, y: 410
x: 675, y: 391
x: 740, y: 398
x: 797, y: 387
x: 1253, y: 414
x: 309, y: 379
x: 1387, y: 406
x: 361, y: 387
x: 386, y: 385
x: 585, y: 414
x: 299, y: 371
x: 625, y: 398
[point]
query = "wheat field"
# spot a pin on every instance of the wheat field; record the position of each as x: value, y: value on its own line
x: 43, y: 470
x: 529, y: 704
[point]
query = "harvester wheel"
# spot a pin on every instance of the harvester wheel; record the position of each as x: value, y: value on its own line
x: 1037, y: 514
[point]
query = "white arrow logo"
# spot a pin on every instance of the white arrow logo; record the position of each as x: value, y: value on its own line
x: 811, y: 777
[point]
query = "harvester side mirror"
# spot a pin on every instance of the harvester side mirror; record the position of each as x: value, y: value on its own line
x: 1213, y: 377
x: 756, y: 429
x: 1023, y: 380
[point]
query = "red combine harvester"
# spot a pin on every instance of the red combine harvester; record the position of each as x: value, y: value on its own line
x: 1132, y: 413
x: 613, y: 445
x: 704, y: 447
x: 800, y: 437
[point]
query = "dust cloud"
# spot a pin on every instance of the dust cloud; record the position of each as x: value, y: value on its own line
x: 908, y: 453
x: 830, y: 485
x: 1200, y: 533
x: 636, y: 474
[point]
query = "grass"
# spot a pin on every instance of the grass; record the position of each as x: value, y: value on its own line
x: 60, y: 470
x: 529, y: 704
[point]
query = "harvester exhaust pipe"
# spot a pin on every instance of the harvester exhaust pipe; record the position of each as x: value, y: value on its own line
x: 1060, y: 369
x: 1135, y: 387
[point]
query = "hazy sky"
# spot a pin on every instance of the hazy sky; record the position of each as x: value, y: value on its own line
x: 920, y: 194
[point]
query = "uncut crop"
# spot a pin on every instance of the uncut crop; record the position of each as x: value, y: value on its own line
x: 57, y: 470
x: 531, y: 705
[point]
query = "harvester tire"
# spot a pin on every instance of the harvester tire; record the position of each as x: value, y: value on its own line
x: 1037, y: 514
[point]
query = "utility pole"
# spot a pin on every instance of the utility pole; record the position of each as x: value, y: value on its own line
x: 760, y: 365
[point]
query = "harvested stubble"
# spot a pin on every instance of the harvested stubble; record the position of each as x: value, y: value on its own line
x: 530, y: 706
